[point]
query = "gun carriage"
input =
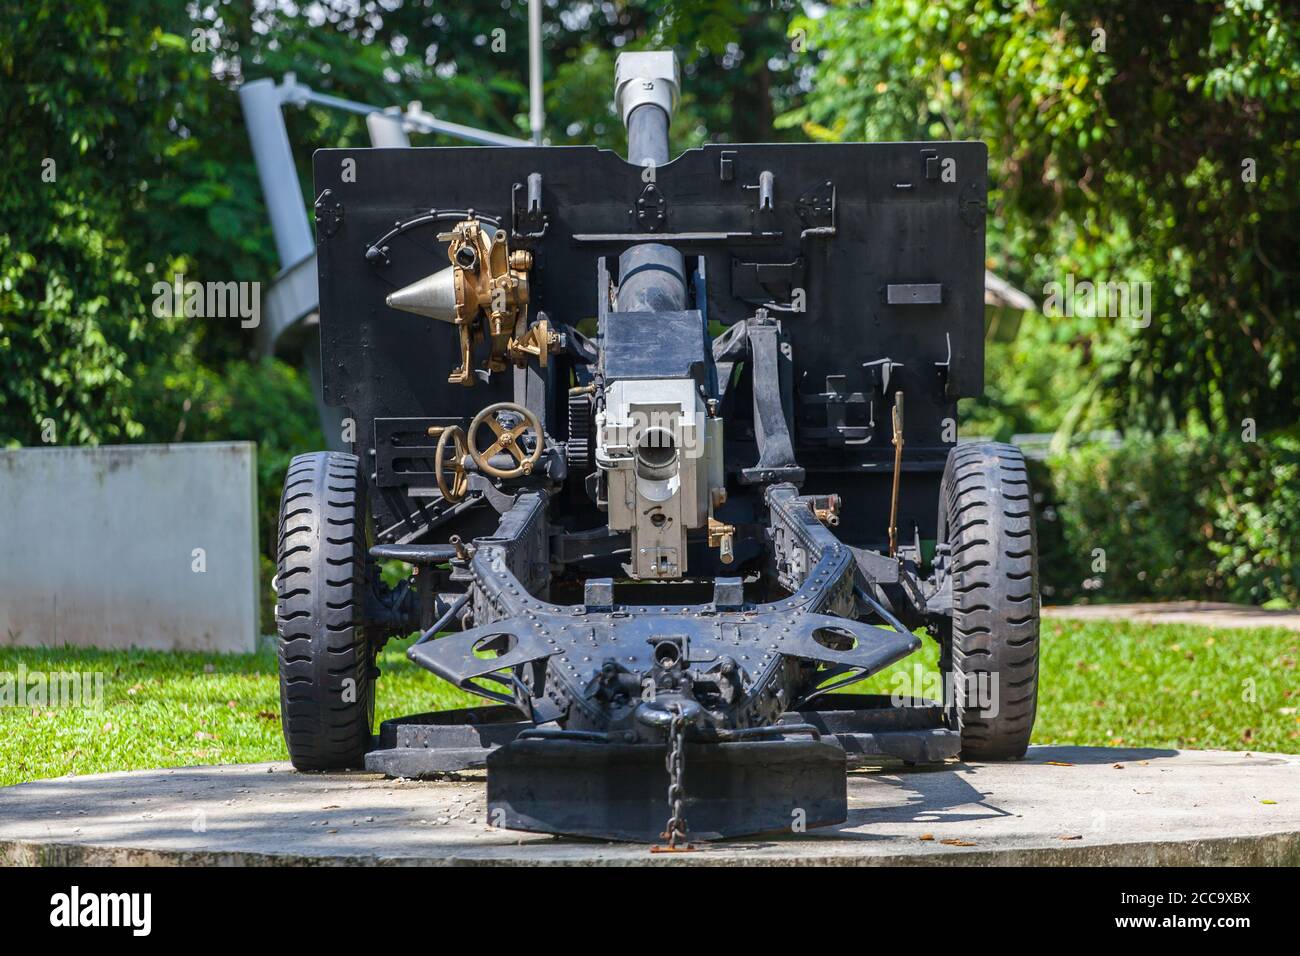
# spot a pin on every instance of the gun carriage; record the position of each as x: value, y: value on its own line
x: 668, y: 446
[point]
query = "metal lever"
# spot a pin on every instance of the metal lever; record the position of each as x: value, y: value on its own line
x: 897, y: 416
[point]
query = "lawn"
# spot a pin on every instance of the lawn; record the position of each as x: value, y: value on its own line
x: 1102, y: 683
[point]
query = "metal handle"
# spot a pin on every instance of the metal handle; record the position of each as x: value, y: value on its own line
x: 507, y: 439
x: 460, y: 481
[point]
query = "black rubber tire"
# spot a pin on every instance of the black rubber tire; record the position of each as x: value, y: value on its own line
x: 986, y: 516
x: 320, y: 600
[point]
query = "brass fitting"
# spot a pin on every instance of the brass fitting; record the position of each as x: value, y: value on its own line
x: 723, y: 537
x: 829, y: 514
x: 491, y: 281
x: 537, y: 342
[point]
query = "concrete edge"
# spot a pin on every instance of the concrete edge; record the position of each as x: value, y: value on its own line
x: 1195, y: 613
x: 1268, y: 849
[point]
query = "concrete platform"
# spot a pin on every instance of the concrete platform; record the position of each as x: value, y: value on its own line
x: 1061, y: 805
x: 1201, y: 613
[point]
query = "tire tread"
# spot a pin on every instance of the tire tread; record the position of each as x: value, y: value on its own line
x: 985, y: 500
x: 320, y: 585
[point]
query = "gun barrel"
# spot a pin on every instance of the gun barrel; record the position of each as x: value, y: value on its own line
x: 652, y: 276
x: 647, y: 135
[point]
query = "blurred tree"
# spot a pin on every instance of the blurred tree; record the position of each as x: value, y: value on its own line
x: 119, y: 180
x: 1149, y: 142
x: 1153, y: 141
x: 136, y: 166
x: 128, y: 164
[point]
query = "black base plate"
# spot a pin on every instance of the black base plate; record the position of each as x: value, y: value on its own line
x: 619, y: 791
x: 443, y: 742
x: 875, y: 728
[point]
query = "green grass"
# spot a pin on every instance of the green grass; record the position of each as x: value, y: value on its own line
x: 170, y: 710
x: 1102, y: 684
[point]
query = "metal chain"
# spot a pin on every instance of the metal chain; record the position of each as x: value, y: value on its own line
x: 675, y: 829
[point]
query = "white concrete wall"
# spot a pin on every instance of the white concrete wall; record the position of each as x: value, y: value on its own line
x: 100, y: 547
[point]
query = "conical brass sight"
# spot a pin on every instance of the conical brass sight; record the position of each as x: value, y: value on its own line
x: 484, y: 281
x: 434, y: 296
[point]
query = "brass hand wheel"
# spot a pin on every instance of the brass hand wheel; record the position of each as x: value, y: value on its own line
x: 507, y: 439
x: 455, y: 437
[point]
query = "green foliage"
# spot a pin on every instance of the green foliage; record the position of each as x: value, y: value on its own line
x: 1118, y: 160
x: 265, y: 401
x: 1172, y: 517
x: 132, y: 165
x: 134, y: 103
x: 63, y: 330
x: 122, y: 176
x: 1033, y: 385
x: 1117, y: 135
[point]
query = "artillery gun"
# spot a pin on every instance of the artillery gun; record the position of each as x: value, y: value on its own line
x: 668, y: 446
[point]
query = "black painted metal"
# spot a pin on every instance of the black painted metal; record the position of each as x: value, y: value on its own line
x: 590, y: 665
x: 436, y: 744
x: 871, y: 730
x: 879, y: 222
x: 414, y: 553
x: 652, y: 278
x: 842, y: 274
x: 656, y: 345
x: 615, y: 791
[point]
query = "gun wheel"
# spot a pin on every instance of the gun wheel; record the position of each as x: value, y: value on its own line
x: 989, y: 652
x: 327, y: 673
